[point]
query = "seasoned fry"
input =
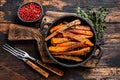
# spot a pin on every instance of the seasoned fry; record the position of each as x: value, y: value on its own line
x: 66, y: 44
x: 80, y: 52
x: 72, y: 45
x: 64, y: 27
x: 80, y: 38
x: 67, y: 48
x: 77, y: 59
x: 57, y: 49
x: 81, y: 27
x: 83, y: 32
x: 56, y: 28
x: 88, y: 42
x: 58, y: 40
x: 71, y: 35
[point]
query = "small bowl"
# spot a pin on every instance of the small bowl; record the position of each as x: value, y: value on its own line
x: 30, y: 12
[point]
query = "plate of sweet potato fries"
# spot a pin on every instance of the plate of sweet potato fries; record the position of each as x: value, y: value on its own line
x: 70, y: 41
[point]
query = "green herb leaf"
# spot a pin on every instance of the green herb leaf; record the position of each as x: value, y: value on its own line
x: 96, y: 17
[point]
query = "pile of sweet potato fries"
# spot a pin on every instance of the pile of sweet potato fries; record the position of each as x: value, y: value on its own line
x: 70, y: 41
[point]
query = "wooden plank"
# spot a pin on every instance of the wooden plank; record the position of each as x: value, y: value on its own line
x: 110, y: 57
x: 112, y: 35
x: 18, y: 32
x: 8, y: 74
x: 99, y: 73
x: 112, y: 32
x: 40, y: 1
x: 51, y: 15
x: 112, y: 28
x: 112, y: 41
x: 73, y: 3
x: 4, y: 27
x: 10, y: 14
x: 102, y: 74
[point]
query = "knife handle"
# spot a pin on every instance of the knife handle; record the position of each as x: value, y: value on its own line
x: 38, y: 69
x: 50, y: 68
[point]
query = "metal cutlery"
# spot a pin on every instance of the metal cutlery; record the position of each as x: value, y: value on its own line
x: 27, y: 61
x: 25, y: 56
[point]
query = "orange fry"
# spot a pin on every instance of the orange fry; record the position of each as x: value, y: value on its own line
x: 56, y: 27
x: 58, y: 40
x: 77, y: 59
x: 81, y: 27
x: 83, y: 32
x: 57, y: 49
x: 64, y: 27
x: 88, y: 42
x: 82, y: 39
x: 80, y: 52
x: 72, y: 45
x: 65, y: 44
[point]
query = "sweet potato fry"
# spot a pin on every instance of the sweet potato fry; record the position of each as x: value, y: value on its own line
x: 56, y: 28
x: 88, y: 42
x: 64, y: 27
x: 67, y: 48
x: 57, y: 49
x: 80, y: 52
x: 58, y: 40
x: 77, y: 59
x: 81, y: 27
x: 72, y: 45
x: 83, y: 32
x: 72, y: 36
x: 66, y: 44
x: 82, y: 39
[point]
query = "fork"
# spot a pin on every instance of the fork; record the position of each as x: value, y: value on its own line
x: 15, y: 52
x: 25, y: 55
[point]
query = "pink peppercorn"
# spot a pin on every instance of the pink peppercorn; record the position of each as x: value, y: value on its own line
x: 30, y: 12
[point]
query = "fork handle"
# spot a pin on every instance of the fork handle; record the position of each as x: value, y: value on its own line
x: 50, y: 68
x: 38, y: 69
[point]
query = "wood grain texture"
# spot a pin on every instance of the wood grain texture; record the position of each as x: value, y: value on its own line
x: 4, y: 27
x: 8, y: 74
x: 18, y: 32
x: 108, y: 67
x: 8, y: 13
x: 94, y: 74
x: 38, y: 69
x: 52, y: 69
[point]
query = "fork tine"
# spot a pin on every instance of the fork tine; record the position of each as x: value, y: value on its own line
x: 9, y: 50
x: 22, y: 52
x: 14, y: 49
x: 10, y: 47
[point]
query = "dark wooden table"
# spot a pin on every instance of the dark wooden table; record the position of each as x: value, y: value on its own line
x: 108, y: 67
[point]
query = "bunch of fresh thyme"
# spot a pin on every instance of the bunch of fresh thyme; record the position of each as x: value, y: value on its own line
x: 96, y: 18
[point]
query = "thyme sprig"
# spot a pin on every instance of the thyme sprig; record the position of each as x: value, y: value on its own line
x: 96, y: 17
